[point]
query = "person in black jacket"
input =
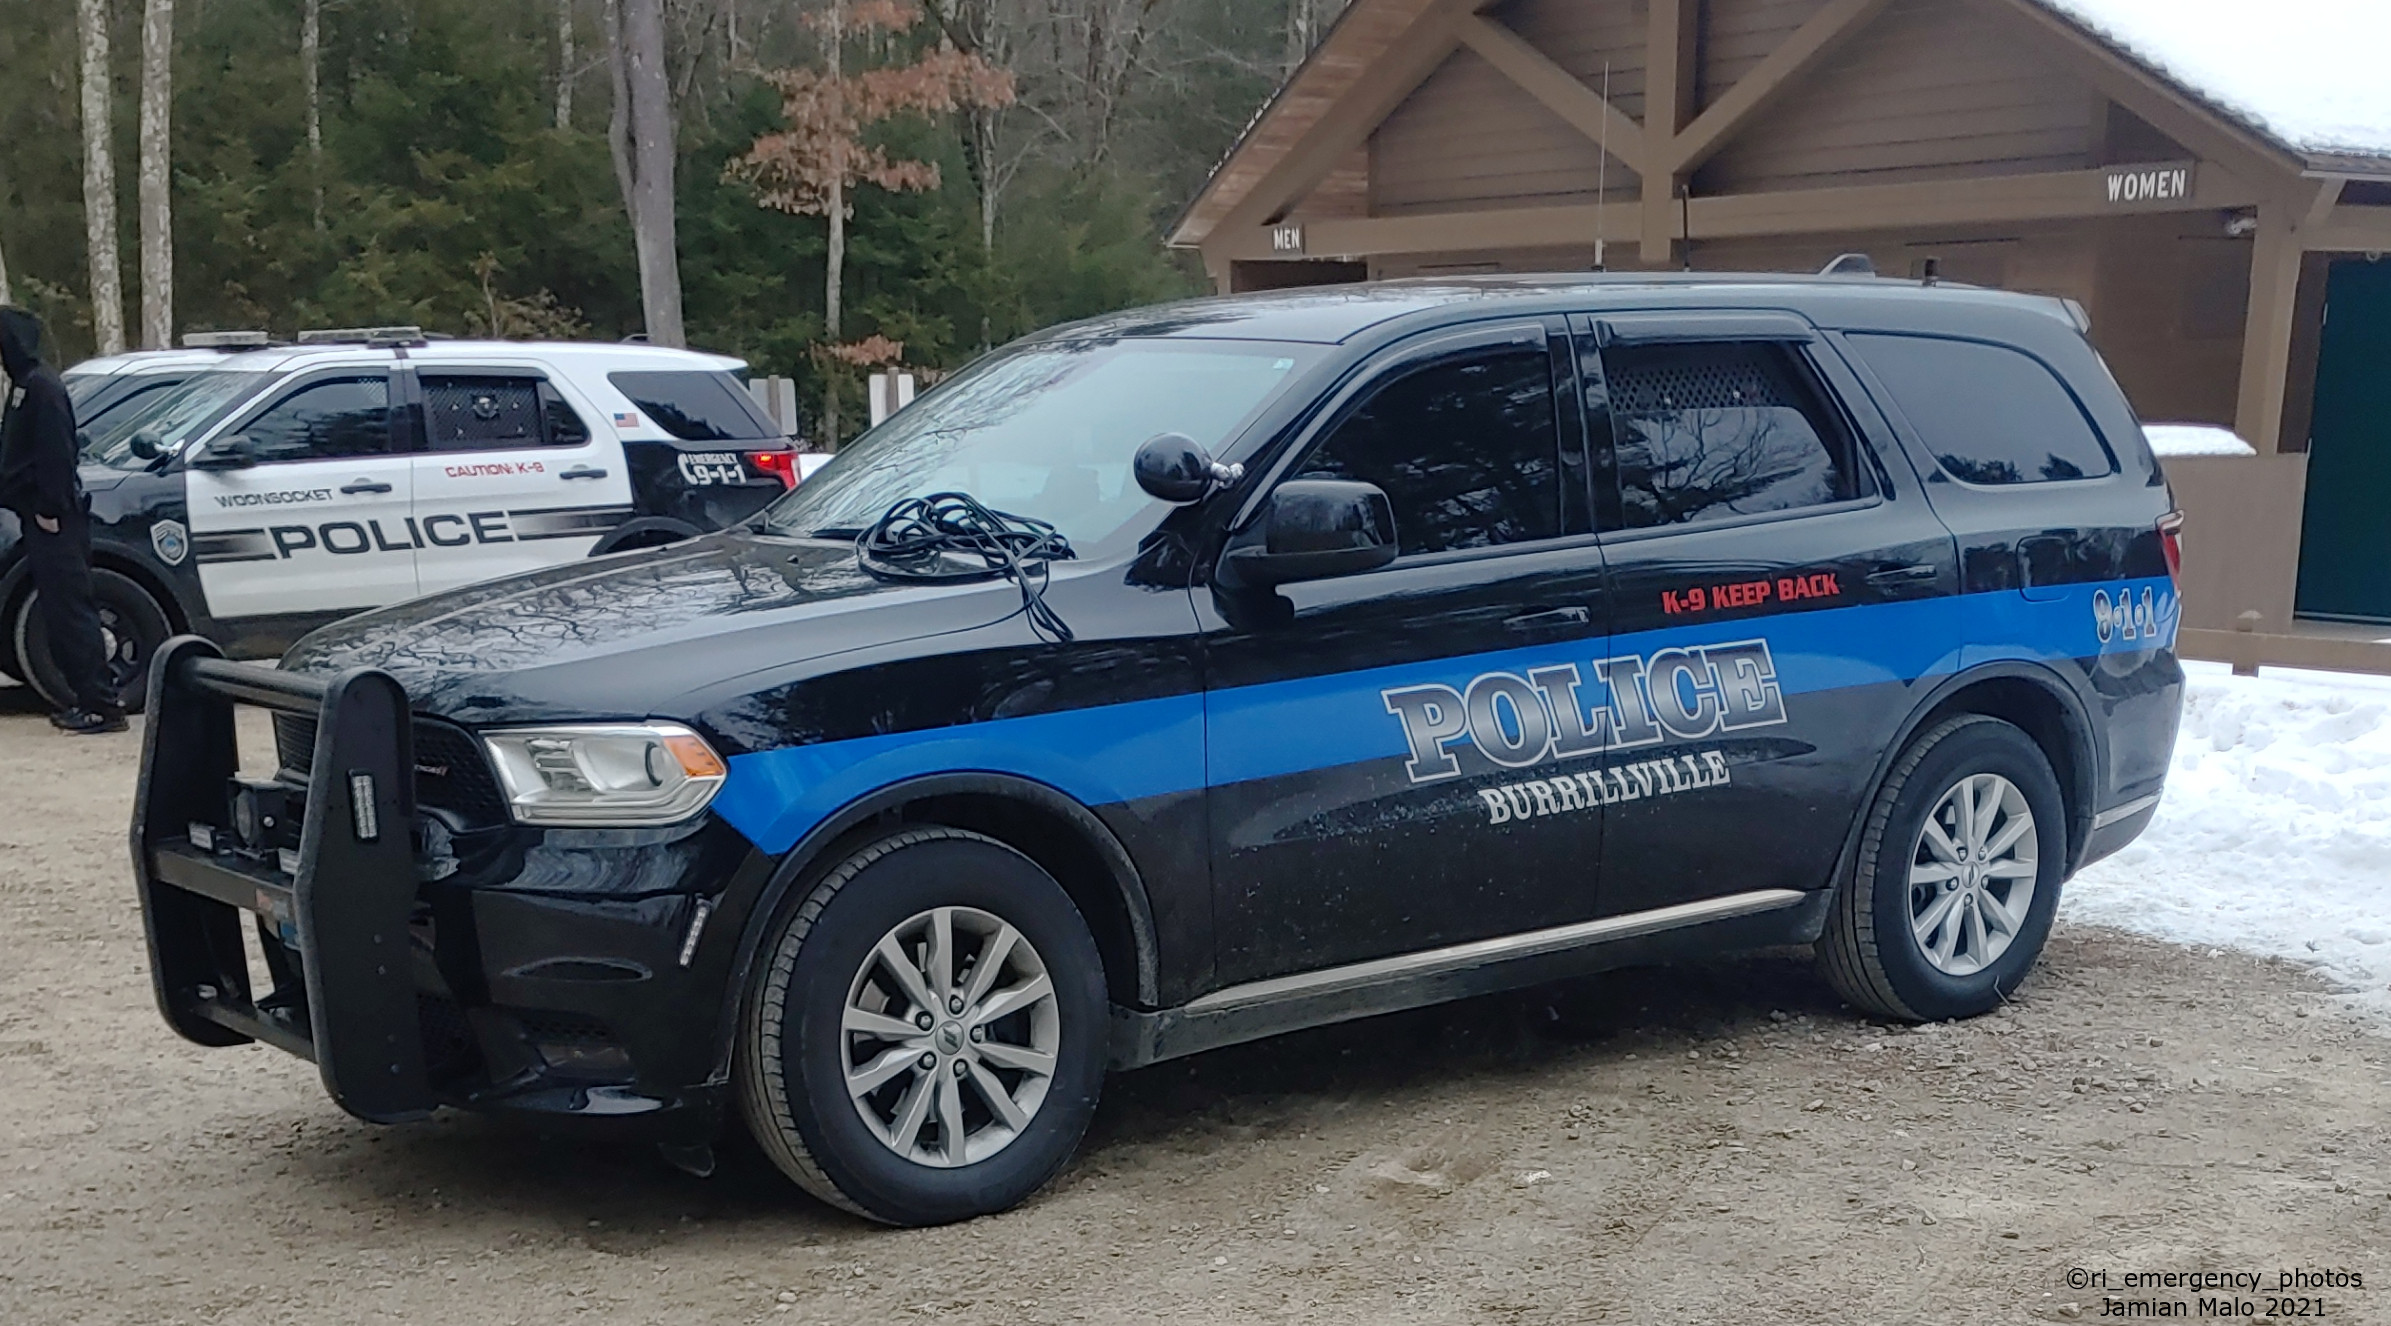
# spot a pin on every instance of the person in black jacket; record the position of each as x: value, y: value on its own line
x: 38, y: 453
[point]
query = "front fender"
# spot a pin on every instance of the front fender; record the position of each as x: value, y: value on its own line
x: 805, y: 858
x: 1095, y: 756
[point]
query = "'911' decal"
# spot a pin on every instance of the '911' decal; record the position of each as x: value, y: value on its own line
x: 1555, y: 713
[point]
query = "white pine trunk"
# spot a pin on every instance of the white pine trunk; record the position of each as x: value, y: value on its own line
x: 565, y: 57
x: 311, y: 83
x: 99, y: 180
x: 640, y: 134
x: 834, y: 266
x: 157, y: 179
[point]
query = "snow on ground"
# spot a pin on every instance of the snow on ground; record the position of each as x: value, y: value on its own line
x: 2275, y: 834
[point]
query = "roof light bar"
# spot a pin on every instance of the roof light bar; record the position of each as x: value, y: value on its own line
x: 362, y: 336
x: 225, y: 340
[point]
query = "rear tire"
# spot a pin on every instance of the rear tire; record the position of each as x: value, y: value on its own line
x: 1957, y: 878
x: 132, y: 626
x: 956, y: 929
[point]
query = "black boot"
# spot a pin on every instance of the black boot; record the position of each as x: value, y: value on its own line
x: 88, y: 722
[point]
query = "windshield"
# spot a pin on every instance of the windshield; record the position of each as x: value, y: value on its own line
x: 170, y: 419
x: 1045, y: 432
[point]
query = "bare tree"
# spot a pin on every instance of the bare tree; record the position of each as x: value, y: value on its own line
x: 7, y: 295
x: 157, y: 176
x: 99, y: 180
x: 311, y: 82
x: 810, y: 167
x: 640, y: 134
x: 564, y: 63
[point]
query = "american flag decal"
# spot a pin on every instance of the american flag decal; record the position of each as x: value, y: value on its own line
x: 626, y: 421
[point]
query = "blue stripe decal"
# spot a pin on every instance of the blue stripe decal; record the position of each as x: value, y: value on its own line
x: 1144, y: 748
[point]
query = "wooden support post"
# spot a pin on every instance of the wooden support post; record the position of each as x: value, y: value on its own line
x: 2266, y: 331
x: 1671, y: 65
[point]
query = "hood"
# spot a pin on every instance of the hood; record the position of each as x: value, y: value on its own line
x: 625, y: 636
x: 100, y: 478
x: 20, y: 343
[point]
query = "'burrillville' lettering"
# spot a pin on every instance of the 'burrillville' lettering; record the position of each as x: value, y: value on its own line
x: 1603, y: 787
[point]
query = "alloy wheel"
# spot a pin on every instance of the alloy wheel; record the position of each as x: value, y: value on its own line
x: 1972, y: 873
x: 949, y: 1036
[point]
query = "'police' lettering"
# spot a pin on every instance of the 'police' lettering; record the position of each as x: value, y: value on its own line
x: 1432, y: 715
x: 490, y: 527
x: 289, y: 539
x: 1553, y: 713
x: 337, y: 536
x: 431, y: 531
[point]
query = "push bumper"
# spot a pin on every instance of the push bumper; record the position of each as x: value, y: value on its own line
x: 555, y: 974
x: 337, y: 888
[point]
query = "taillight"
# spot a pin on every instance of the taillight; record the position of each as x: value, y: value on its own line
x: 781, y: 465
x: 2171, y: 542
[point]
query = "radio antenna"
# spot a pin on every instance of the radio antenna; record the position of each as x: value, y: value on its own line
x: 1602, y: 173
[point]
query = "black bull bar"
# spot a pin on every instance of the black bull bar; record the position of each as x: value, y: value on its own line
x: 338, y: 902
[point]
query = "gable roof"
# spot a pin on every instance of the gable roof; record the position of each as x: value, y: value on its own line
x: 2305, y: 76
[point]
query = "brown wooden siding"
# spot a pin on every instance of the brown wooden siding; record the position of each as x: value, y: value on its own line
x: 2164, y: 317
x: 1931, y: 90
x: 1470, y: 139
x: 1739, y: 34
x: 1581, y: 38
x: 1345, y: 192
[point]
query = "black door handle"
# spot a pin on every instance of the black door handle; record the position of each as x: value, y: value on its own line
x: 582, y: 472
x: 365, y: 486
x: 1549, y: 618
x: 1893, y: 577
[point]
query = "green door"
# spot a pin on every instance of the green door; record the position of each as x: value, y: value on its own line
x: 2345, y: 545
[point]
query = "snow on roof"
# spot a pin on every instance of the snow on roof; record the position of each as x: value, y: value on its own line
x: 2195, y: 440
x: 2308, y: 73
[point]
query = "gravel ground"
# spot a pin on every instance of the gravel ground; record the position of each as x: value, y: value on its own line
x: 1721, y: 1142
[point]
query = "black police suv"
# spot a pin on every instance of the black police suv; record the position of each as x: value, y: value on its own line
x: 250, y: 497
x: 1195, y: 674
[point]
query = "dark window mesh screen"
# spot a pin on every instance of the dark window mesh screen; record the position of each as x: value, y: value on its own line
x: 469, y: 412
x: 1710, y: 378
x: 1717, y: 431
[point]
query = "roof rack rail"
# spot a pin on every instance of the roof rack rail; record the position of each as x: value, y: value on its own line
x: 226, y: 340
x: 362, y: 336
x: 1850, y: 264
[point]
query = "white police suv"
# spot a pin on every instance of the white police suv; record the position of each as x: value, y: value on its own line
x: 276, y: 489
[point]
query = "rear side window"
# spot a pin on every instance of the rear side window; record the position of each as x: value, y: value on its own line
x: 696, y: 406
x: 1717, y: 431
x: 1466, y: 451
x: 1990, y: 414
x: 489, y: 412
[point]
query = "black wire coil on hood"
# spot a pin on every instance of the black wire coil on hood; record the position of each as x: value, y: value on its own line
x: 951, y: 536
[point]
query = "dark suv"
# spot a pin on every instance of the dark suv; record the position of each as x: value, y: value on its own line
x: 1199, y: 673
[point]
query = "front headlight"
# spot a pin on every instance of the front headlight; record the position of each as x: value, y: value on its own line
x: 630, y: 775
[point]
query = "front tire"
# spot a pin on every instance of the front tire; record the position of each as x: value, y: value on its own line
x: 867, y: 1108
x: 132, y: 626
x: 1957, y: 878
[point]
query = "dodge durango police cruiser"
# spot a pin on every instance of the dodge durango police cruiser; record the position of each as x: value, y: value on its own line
x: 1194, y: 674
x: 271, y: 491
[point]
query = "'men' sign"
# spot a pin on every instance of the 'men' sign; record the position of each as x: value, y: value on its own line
x: 2148, y: 184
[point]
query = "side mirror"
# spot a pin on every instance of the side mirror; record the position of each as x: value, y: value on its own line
x: 1172, y: 467
x: 226, y: 453
x: 144, y: 445
x: 1312, y: 529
